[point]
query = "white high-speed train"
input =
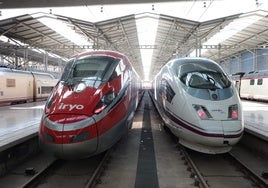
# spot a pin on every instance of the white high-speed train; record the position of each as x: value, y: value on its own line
x: 199, y: 104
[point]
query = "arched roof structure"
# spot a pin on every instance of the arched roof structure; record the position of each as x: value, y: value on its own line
x: 174, y: 36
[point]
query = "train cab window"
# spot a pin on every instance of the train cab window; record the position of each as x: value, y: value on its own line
x: 201, y: 75
x: 89, y: 70
x: 92, y: 70
x: 113, y: 71
x: 251, y: 82
x: 205, y: 80
x: 259, y: 82
x: 67, y: 70
x: 118, y: 70
x: 92, y: 67
x: 113, y: 76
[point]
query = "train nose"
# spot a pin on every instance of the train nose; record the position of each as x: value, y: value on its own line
x: 78, y: 150
x: 69, y: 139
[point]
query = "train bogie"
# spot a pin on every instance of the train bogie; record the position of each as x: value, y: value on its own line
x: 199, y: 104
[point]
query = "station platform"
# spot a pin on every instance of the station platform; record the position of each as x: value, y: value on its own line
x: 256, y: 118
x: 20, y: 122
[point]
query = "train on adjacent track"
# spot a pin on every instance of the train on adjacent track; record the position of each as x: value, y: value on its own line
x: 252, y: 85
x: 199, y: 104
x: 91, y: 107
x: 18, y: 86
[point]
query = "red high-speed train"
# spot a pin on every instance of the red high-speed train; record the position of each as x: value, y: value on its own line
x: 91, y: 107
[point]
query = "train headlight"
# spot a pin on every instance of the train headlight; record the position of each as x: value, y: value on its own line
x: 80, y: 87
x: 233, y: 111
x: 48, y: 137
x: 202, y: 112
x: 80, y: 137
x: 104, y: 102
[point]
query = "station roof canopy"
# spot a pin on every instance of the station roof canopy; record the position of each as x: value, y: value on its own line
x: 216, y: 39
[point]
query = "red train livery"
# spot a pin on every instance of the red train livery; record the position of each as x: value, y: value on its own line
x: 91, y: 107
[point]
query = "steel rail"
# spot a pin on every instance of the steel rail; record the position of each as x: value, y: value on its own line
x: 94, y: 178
x: 252, y: 175
x: 199, y: 178
x: 33, y: 182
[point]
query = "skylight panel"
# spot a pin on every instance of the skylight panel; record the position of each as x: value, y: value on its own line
x: 146, y: 29
x: 232, y: 29
x: 62, y: 28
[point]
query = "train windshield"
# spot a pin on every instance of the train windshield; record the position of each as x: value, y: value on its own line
x: 90, y: 70
x: 206, y: 80
x: 203, y: 76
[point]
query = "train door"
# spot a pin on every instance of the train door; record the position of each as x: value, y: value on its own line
x: 237, y: 86
x: 34, y: 87
x: 25, y: 85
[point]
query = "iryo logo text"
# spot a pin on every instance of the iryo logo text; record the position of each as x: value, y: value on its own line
x: 70, y: 106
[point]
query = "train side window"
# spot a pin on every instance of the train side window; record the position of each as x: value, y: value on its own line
x: 259, y: 82
x: 166, y: 89
x: 10, y: 83
x: 46, y: 89
x: 252, y: 82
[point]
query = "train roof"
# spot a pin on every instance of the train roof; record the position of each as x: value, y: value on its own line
x: 253, y: 74
x: 192, y: 59
x: 10, y: 70
x: 17, y: 71
x: 190, y: 64
x: 109, y: 53
x: 100, y: 52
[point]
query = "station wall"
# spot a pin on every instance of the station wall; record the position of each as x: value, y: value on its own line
x: 247, y: 61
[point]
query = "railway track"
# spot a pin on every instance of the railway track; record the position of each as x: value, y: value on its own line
x: 82, y: 173
x: 223, y: 170
x: 206, y: 170
x: 79, y: 173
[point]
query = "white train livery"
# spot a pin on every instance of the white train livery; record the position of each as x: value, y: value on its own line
x: 199, y: 104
